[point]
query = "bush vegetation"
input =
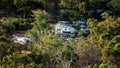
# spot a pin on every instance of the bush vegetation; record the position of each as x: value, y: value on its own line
x: 98, y: 48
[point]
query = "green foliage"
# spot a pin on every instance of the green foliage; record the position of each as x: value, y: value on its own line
x: 105, y: 66
x: 112, y: 52
x: 75, y: 9
x: 106, y: 35
x: 97, y: 4
x: 89, y: 66
x: 50, y: 46
x: 13, y: 60
x: 16, y: 60
x: 73, y: 15
x: 11, y: 24
x: 84, y: 33
x: 114, y: 6
x: 40, y: 14
x: 8, y: 26
x: 24, y: 25
x: 95, y: 66
x: 40, y: 23
x: 104, y: 30
x: 4, y: 39
x: 51, y: 50
x: 102, y: 66
x: 33, y: 65
x: 2, y: 31
x: 67, y: 53
x: 19, y: 3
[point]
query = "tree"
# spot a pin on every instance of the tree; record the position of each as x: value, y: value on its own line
x: 88, y: 54
x: 103, y: 33
x: 75, y: 9
x: 114, y: 6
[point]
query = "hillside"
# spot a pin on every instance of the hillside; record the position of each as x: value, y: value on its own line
x: 59, y: 34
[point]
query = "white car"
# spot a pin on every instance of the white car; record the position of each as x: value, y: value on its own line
x: 63, y: 26
x: 21, y: 40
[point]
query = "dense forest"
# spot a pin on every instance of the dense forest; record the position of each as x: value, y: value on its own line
x: 32, y: 18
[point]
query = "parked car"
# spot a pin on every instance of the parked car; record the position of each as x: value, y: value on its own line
x: 21, y: 40
x: 63, y: 27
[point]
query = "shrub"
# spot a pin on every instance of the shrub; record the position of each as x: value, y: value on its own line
x: 2, y: 31
x: 105, y: 66
x: 88, y: 55
x: 8, y: 26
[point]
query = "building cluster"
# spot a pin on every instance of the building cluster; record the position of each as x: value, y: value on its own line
x: 68, y: 29
x: 64, y: 29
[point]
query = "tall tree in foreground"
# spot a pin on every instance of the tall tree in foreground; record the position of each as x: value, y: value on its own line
x: 106, y: 35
